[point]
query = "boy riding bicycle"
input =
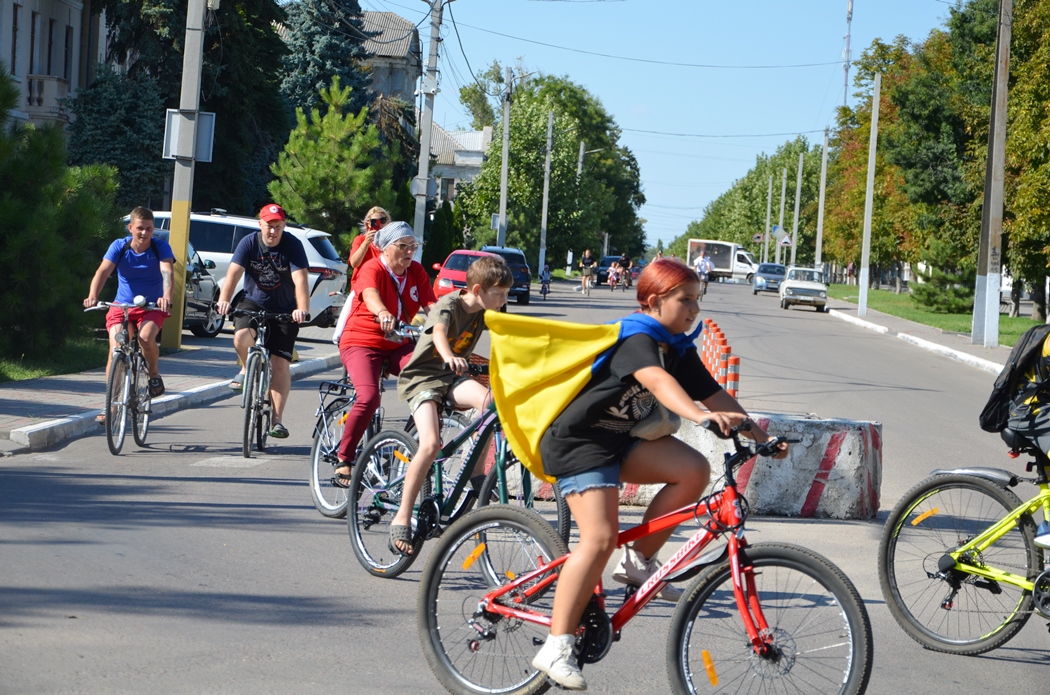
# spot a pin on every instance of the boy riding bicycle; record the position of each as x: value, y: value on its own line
x: 438, y: 373
x: 144, y: 267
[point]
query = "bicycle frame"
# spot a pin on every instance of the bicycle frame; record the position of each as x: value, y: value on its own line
x: 445, y: 505
x: 726, y: 517
x: 981, y: 542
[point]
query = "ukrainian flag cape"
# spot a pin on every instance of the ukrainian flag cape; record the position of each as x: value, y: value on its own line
x: 537, y: 366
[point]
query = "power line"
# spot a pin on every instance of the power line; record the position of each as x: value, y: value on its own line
x: 702, y: 135
x: 465, y: 59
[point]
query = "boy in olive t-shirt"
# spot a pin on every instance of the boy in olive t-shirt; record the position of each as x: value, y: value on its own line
x: 438, y: 372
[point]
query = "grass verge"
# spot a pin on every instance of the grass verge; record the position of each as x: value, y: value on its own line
x: 903, y: 306
x: 77, y: 355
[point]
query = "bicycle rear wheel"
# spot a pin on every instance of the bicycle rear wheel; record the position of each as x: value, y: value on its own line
x: 251, y: 411
x: 820, y: 636
x: 936, y: 516
x: 526, y: 490
x: 373, y: 500
x: 118, y: 390
x: 142, y: 404
x: 329, y: 498
x: 472, y: 652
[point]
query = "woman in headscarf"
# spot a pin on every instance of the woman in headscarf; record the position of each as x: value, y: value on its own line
x: 389, y: 288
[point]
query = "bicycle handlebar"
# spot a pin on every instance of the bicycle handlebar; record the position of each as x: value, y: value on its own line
x: 265, y: 315
x: 767, y: 448
x: 149, y: 306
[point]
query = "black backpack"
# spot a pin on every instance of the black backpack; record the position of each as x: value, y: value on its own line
x: 1027, y: 350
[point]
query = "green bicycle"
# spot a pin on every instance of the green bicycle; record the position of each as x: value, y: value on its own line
x: 958, y: 564
x: 375, y: 490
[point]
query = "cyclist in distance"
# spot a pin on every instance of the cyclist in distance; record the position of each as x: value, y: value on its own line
x: 144, y: 267
x: 275, y: 270
x: 592, y: 446
x: 438, y: 373
x: 625, y: 266
x: 389, y: 288
x: 587, y: 263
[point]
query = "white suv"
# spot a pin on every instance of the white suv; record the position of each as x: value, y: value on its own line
x: 217, y: 234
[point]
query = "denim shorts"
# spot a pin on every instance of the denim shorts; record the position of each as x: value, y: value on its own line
x: 606, y: 476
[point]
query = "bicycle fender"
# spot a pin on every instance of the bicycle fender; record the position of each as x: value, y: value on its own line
x: 689, y: 571
x: 1000, y: 477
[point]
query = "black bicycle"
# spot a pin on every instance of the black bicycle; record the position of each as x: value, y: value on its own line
x: 127, y: 387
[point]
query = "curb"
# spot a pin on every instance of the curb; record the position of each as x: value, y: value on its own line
x: 957, y: 355
x: 50, y: 432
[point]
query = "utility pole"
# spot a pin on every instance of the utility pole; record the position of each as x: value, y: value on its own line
x: 182, y: 185
x: 546, y: 189
x: 798, y: 199
x: 501, y: 235
x: 783, y: 196
x: 769, y: 206
x: 421, y: 184
x: 847, y: 57
x: 989, y: 257
x: 579, y: 162
x: 820, y: 205
x: 869, y: 198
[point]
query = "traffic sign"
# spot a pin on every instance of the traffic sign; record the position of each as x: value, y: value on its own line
x: 757, y: 238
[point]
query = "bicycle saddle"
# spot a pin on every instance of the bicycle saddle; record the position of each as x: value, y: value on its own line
x: 1018, y: 442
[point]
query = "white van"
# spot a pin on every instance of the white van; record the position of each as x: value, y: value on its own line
x: 215, y: 235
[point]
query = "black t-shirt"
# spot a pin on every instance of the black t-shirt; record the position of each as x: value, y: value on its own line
x: 587, y: 261
x: 268, y: 270
x: 594, y: 429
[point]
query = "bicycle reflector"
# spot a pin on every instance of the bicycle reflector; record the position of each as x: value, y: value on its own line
x: 709, y: 666
x: 474, y: 555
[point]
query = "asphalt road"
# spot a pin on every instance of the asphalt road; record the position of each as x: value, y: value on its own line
x: 184, y: 568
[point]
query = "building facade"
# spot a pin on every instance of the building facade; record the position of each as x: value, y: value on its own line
x: 394, y: 55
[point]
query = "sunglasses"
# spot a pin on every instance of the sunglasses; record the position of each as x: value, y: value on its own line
x: 407, y: 248
x: 377, y: 222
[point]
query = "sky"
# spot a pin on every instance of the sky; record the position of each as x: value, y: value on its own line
x: 744, y: 76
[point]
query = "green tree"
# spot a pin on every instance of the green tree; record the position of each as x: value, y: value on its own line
x: 946, y: 287
x: 57, y: 221
x: 325, y: 40
x: 476, y: 97
x: 133, y: 107
x: 444, y: 237
x: 240, y: 84
x: 334, y: 167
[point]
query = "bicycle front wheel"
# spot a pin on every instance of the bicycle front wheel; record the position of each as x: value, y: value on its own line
x: 819, y: 636
x: 471, y: 651
x: 118, y: 391
x: 141, y: 407
x: 949, y: 611
x: 265, y: 408
x: 373, y: 500
x: 250, y: 402
x: 526, y: 490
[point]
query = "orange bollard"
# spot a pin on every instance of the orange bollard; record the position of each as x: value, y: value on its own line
x: 723, y: 365
x: 733, y: 376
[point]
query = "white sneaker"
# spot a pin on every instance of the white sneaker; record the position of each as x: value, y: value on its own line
x: 556, y: 659
x: 634, y: 570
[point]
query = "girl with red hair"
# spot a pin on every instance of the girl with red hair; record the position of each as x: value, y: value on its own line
x: 593, y: 446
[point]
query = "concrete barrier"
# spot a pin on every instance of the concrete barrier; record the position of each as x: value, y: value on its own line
x: 834, y: 472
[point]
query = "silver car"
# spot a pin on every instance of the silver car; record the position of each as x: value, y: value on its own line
x: 768, y: 278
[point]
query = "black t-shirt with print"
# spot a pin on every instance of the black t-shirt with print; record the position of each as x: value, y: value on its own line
x: 594, y: 429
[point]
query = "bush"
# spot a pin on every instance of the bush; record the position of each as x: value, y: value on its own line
x: 57, y: 222
x: 946, y: 288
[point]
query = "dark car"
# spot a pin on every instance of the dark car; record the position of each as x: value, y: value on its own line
x: 603, y: 269
x: 202, y: 291
x: 768, y: 278
x: 519, y: 267
x: 452, y: 274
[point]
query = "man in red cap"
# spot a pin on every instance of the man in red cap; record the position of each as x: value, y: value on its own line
x: 275, y: 267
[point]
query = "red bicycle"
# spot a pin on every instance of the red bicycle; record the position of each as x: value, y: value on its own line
x: 767, y: 617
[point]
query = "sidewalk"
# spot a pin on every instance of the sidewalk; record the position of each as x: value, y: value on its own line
x: 39, y: 413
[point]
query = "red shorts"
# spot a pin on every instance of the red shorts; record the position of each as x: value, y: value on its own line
x: 136, y: 317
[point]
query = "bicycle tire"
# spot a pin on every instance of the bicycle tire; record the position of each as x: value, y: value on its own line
x: 456, y: 577
x: 372, y: 503
x: 554, y: 510
x: 932, y: 518
x: 118, y: 389
x: 822, y: 634
x: 329, y: 498
x: 265, y: 407
x: 143, y: 403
x: 251, y: 384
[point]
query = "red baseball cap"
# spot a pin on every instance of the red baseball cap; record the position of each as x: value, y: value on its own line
x: 271, y: 212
